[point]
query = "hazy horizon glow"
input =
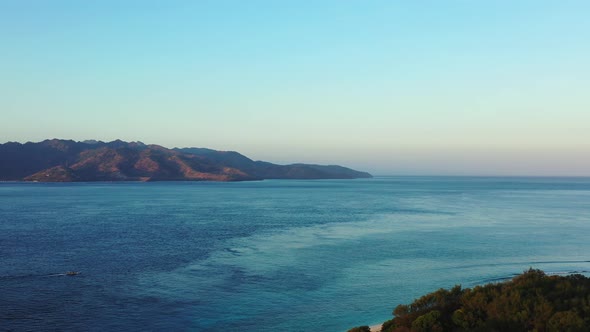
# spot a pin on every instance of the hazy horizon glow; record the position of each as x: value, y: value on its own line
x: 457, y: 87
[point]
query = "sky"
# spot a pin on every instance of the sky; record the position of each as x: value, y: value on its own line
x: 456, y: 87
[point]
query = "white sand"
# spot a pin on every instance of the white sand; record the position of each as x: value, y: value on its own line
x: 376, y: 328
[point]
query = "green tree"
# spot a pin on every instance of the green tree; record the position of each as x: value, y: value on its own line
x: 532, y: 301
x: 427, y: 322
x: 363, y: 328
x: 566, y: 321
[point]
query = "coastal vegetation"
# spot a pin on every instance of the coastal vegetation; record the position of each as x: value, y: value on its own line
x: 532, y: 301
x: 364, y: 328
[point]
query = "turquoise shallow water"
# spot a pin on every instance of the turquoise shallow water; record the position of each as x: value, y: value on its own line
x: 272, y: 255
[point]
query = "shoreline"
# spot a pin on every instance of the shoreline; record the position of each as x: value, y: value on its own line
x: 376, y: 327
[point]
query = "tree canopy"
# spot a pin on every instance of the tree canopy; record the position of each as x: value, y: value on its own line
x: 532, y: 301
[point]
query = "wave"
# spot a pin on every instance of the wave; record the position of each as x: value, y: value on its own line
x: 550, y: 273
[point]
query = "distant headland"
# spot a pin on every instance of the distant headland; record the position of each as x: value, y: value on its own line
x: 59, y: 160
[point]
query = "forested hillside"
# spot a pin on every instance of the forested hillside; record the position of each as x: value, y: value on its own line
x: 532, y: 301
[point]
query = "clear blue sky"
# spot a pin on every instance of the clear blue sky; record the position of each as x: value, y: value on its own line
x: 393, y: 87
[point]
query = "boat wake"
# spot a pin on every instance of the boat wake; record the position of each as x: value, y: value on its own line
x: 26, y: 276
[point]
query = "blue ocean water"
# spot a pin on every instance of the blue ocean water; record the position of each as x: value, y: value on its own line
x: 272, y: 255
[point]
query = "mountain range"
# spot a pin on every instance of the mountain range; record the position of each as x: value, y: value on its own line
x: 58, y: 160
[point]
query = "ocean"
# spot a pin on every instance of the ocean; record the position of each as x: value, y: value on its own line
x: 277, y: 255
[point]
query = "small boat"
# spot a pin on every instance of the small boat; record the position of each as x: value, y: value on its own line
x: 72, y: 273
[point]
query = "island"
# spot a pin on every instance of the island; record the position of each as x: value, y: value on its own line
x: 59, y: 160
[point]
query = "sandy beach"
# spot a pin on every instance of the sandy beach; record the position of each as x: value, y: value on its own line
x: 376, y: 328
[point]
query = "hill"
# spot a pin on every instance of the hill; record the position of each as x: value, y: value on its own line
x: 532, y: 301
x: 68, y: 161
